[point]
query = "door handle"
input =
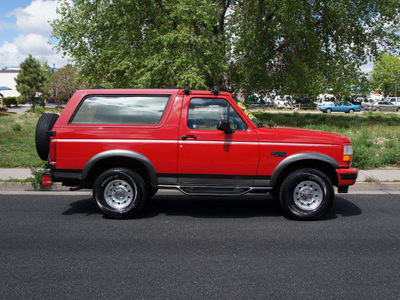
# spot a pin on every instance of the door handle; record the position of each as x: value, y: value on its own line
x: 186, y: 137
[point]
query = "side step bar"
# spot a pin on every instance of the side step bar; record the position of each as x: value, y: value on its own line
x: 214, y: 191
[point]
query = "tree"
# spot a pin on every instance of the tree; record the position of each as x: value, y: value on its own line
x: 385, y: 73
x: 290, y: 46
x: 145, y: 43
x: 64, y: 82
x: 303, y: 46
x: 31, y: 79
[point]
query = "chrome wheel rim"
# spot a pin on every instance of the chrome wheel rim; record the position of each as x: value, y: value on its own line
x: 119, y: 194
x: 308, y: 195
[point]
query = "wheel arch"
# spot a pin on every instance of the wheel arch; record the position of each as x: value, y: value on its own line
x: 298, y: 161
x: 119, y: 158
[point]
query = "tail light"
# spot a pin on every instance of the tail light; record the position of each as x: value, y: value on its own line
x: 53, y: 148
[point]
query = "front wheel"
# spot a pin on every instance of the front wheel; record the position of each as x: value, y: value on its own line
x: 351, y: 111
x: 307, y: 194
x: 120, y: 193
x: 329, y: 110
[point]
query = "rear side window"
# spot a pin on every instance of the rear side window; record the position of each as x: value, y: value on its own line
x: 132, y: 110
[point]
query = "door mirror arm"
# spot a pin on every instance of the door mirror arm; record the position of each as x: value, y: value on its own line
x: 224, y: 126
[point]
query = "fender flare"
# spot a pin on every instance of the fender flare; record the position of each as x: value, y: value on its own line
x: 121, y: 153
x: 299, y: 157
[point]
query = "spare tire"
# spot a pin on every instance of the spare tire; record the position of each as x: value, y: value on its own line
x: 42, y: 137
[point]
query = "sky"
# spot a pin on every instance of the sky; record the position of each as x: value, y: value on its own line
x: 25, y: 29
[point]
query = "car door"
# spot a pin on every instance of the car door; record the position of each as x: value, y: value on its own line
x: 209, y: 157
x: 388, y: 106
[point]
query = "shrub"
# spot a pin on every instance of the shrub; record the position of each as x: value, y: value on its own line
x: 8, y: 101
x: 39, y: 110
x: 16, y: 127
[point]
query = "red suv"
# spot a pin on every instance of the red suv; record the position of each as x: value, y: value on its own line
x: 125, y: 144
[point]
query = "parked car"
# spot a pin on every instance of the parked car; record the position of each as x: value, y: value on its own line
x: 394, y: 100
x: 341, y: 106
x: 125, y: 144
x: 257, y: 101
x: 304, y: 103
x: 325, y: 99
x: 357, y: 100
x: 283, y: 102
x: 385, y: 106
x: 367, y: 104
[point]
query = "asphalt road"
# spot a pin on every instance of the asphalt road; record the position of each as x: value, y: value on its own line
x: 61, y: 247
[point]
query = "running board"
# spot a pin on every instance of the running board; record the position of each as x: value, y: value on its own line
x: 213, y: 191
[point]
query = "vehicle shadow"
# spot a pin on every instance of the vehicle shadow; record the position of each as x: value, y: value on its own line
x: 213, y: 207
x: 85, y: 207
x: 344, y: 208
x: 247, y: 206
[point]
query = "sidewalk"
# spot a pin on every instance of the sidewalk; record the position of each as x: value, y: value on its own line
x: 376, y: 180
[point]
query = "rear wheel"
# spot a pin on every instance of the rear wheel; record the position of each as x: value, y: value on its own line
x: 120, y: 193
x: 351, y: 111
x: 307, y: 194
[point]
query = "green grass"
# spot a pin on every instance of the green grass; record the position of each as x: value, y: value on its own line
x: 17, y: 140
x: 375, y: 136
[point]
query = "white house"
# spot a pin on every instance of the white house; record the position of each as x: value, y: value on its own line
x: 7, y: 78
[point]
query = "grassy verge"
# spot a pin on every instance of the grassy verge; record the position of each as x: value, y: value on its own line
x: 17, y: 139
x: 375, y: 136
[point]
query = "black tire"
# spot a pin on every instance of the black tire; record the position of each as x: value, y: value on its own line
x: 307, y: 194
x: 351, y: 111
x: 42, y: 138
x: 328, y: 110
x: 120, y: 193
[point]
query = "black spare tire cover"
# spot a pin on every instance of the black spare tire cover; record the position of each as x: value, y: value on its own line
x: 42, y: 138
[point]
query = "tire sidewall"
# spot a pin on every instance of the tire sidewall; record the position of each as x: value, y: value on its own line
x: 135, y: 182
x: 287, y: 190
x: 42, y: 138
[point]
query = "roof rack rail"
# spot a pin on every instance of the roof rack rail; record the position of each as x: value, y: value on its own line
x: 187, y: 90
x: 215, y: 91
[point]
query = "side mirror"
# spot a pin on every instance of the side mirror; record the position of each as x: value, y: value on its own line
x: 224, y: 126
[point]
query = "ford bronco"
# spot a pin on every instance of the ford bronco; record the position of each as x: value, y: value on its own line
x: 125, y: 144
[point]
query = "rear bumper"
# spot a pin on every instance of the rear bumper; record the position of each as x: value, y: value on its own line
x: 66, y: 177
x: 346, y: 177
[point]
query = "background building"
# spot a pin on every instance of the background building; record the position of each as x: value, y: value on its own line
x: 7, y: 78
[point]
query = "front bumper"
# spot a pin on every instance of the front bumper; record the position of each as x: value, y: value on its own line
x: 346, y: 177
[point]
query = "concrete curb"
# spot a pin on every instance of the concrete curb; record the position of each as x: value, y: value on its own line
x: 57, y: 188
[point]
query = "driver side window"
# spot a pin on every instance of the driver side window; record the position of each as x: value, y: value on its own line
x: 204, y: 114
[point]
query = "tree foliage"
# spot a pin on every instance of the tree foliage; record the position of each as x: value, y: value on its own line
x: 385, y: 73
x: 291, y: 46
x: 32, y: 78
x: 64, y: 82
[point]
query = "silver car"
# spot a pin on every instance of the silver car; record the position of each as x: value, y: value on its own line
x: 384, y: 106
x: 394, y: 100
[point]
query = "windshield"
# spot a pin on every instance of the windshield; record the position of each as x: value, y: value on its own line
x: 248, y: 113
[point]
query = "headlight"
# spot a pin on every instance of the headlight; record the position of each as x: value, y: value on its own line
x: 347, y: 152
